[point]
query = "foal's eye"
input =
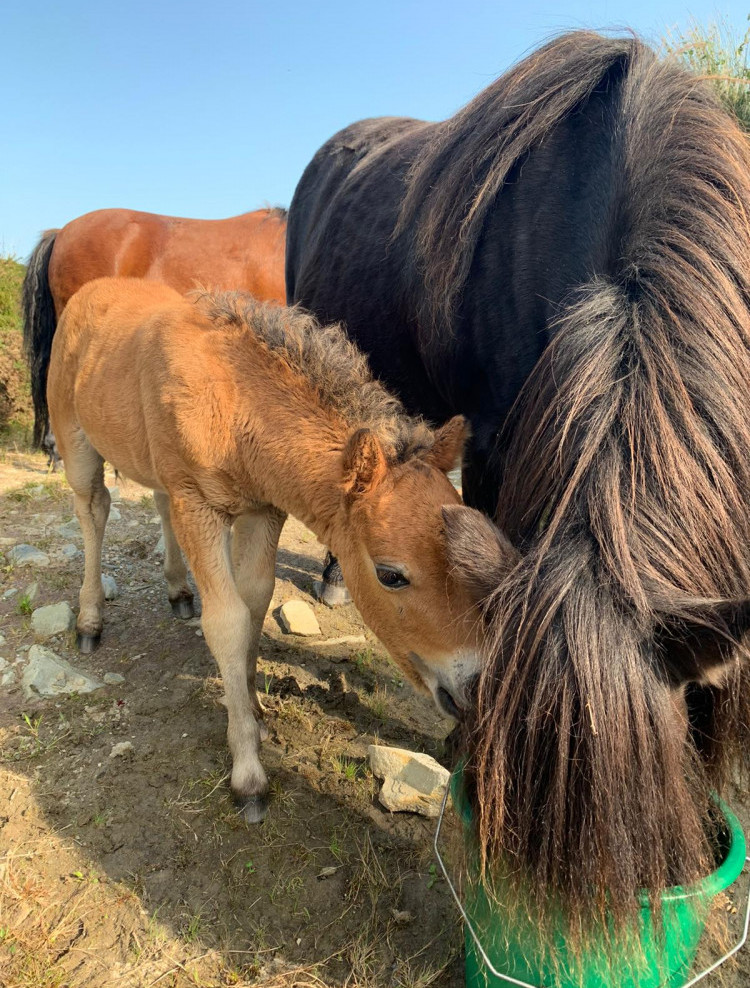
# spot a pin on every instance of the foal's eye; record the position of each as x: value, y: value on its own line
x: 392, y: 579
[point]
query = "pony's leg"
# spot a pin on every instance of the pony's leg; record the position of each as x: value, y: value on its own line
x: 255, y: 538
x: 84, y: 469
x: 227, y: 627
x: 175, y: 571
x: 331, y: 590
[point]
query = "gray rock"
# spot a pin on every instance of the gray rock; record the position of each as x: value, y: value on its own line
x: 70, y: 551
x: 109, y: 586
x: 53, y: 619
x: 122, y: 750
x: 298, y: 618
x: 70, y: 530
x: 27, y: 555
x: 159, y: 550
x: 114, y: 514
x: 10, y: 592
x: 114, y: 493
x: 48, y: 674
x: 2, y: 638
x: 412, y: 781
x: 31, y: 592
x: 113, y: 678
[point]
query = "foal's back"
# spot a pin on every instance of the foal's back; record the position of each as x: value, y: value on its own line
x: 142, y: 372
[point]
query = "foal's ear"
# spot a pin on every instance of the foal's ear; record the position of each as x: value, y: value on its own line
x: 364, y: 463
x: 477, y: 551
x: 696, y: 652
x: 449, y: 443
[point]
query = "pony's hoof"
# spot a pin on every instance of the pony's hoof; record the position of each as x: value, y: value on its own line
x: 330, y: 594
x: 88, y: 643
x: 254, y: 808
x: 183, y: 608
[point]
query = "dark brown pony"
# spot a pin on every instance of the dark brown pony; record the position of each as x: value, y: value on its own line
x: 567, y: 261
x: 244, y: 253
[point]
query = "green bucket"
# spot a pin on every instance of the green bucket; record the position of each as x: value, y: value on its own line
x: 502, y: 951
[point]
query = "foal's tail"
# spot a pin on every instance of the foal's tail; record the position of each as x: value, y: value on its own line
x: 39, y: 324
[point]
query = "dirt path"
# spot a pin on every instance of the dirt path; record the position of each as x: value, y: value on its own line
x: 136, y: 871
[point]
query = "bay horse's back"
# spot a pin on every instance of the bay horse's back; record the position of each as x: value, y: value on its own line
x: 242, y: 252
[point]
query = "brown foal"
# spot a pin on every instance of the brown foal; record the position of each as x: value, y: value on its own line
x: 237, y: 414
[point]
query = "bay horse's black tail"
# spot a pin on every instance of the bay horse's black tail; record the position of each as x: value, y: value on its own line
x: 39, y: 324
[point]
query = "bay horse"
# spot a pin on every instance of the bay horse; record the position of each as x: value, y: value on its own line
x: 243, y: 253
x: 566, y: 261
x: 235, y: 414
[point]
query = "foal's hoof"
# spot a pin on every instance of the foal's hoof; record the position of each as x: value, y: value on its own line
x: 254, y: 808
x: 182, y: 608
x: 330, y: 594
x: 88, y: 643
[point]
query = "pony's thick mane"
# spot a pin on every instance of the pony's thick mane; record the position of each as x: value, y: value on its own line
x: 331, y: 363
x: 626, y: 481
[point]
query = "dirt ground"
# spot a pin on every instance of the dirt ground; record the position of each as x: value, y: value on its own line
x: 137, y: 871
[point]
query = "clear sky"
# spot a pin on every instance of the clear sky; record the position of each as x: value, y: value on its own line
x: 213, y: 108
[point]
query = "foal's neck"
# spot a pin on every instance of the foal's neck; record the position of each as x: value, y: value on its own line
x: 290, y: 451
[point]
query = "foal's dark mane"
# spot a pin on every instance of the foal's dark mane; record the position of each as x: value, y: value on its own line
x: 327, y: 359
x: 629, y: 448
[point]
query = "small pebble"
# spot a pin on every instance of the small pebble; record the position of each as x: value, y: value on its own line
x: 113, y: 678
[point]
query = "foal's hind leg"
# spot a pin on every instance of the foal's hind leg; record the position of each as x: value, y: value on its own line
x: 84, y: 469
x: 227, y: 626
x: 175, y: 571
x: 255, y: 538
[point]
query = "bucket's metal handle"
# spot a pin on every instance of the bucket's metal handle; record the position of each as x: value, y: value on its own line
x: 526, y: 984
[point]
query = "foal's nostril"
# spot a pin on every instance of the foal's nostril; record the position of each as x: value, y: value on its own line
x: 447, y: 702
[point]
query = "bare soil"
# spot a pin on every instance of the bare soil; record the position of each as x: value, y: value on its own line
x: 137, y: 871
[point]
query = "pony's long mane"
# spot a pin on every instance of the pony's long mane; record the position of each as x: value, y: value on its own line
x: 626, y: 481
x: 330, y: 363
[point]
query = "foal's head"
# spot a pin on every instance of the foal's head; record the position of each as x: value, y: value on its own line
x: 393, y: 548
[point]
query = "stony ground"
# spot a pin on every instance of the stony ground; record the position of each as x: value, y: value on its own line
x: 122, y: 859
x: 134, y: 869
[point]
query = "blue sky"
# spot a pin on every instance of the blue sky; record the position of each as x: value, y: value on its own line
x: 213, y: 108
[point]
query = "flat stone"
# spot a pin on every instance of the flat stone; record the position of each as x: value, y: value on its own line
x: 10, y: 592
x: 109, y: 586
x: 114, y: 514
x: 53, y: 619
x: 114, y: 493
x: 159, y: 550
x: 70, y: 529
x: 113, y: 678
x: 70, y: 551
x: 31, y: 592
x: 27, y: 555
x: 298, y: 618
x: 412, y: 781
x: 122, y: 750
x: 48, y: 674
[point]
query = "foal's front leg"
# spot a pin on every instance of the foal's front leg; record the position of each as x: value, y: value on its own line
x: 255, y: 538
x: 205, y: 537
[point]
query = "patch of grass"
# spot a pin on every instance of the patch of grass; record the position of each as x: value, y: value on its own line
x: 718, y: 53
x: 24, y: 604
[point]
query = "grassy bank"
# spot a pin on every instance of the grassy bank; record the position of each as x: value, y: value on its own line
x: 15, y: 403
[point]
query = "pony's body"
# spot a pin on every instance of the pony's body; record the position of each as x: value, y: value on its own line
x: 539, y: 242
x: 567, y: 262
x: 237, y: 414
x: 242, y: 253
